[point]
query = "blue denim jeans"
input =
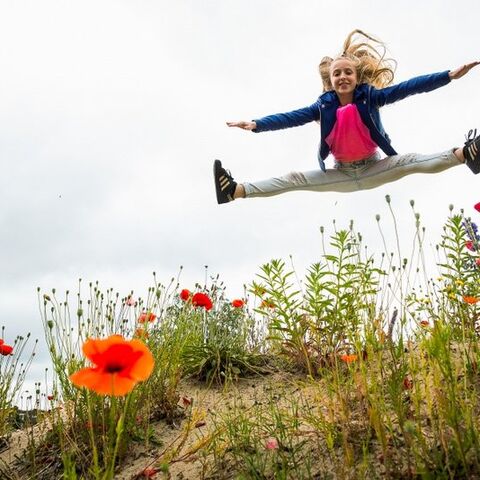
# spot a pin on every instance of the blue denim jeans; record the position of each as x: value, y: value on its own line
x: 364, y: 175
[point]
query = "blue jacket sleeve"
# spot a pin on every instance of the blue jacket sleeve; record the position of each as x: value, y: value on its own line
x: 422, y: 84
x: 294, y: 118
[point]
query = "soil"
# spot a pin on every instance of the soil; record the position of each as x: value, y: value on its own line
x: 179, y: 441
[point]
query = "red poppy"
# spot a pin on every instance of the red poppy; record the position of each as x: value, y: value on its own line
x: 271, y: 444
x: 202, y: 300
x: 2, y: 341
x: 146, y: 317
x: 470, y: 300
x: 349, y: 358
x: 238, y: 303
x: 407, y: 383
x: 424, y: 323
x: 50, y: 397
x: 477, y: 207
x: 119, y: 365
x: 149, y: 472
x: 5, y: 349
x: 469, y: 245
x: 141, y: 332
x: 185, y: 294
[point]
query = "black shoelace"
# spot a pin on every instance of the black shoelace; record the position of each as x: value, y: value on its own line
x: 472, y: 135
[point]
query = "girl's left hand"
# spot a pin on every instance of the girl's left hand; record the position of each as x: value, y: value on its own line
x: 463, y: 70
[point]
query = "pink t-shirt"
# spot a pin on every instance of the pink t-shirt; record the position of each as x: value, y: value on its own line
x: 350, y: 140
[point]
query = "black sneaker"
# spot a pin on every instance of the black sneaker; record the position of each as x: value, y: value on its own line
x: 471, y: 151
x: 224, y: 183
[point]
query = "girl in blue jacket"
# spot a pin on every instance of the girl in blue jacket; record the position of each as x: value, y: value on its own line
x: 356, y: 84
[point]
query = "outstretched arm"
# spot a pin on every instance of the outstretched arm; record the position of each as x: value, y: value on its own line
x: 279, y: 121
x: 461, y: 71
x: 422, y: 84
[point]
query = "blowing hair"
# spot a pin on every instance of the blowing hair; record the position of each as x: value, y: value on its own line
x: 367, y: 53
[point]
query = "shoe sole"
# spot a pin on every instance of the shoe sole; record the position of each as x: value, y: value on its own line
x: 475, y: 168
x: 473, y: 152
x: 217, y: 165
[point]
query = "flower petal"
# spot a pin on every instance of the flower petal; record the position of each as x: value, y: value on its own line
x: 143, y: 366
x: 101, y: 382
x: 97, y: 346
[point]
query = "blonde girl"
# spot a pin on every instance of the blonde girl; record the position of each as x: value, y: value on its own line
x: 356, y: 84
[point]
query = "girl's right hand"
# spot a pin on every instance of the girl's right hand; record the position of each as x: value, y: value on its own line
x: 243, y: 125
x: 463, y: 70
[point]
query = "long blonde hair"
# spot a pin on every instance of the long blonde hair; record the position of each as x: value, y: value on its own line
x: 362, y: 50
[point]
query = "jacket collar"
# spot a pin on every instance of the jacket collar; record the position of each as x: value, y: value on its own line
x: 331, y: 97
x: 360, y: 92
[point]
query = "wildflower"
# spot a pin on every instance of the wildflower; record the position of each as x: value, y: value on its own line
x: 202, y: 300
x: 267, y: 304
x: 119, y: 365
x: 141, y: 332
x: 185, y: 294
x: 271, y: 444
x: 407, y: 383
x: 146, y: 316
x: 130, y: 301
x: 477, y: 207
x: 259, y: 290
x: 470, y: 246
x: 477, y: 262
x: 424, y: 323
x: 349, y: 358
x: 50, y: 397
x: 5, y: 349
x: 471, y: 229
x: 149, y: 472
x: 470, y: 300
x: 238, y: 303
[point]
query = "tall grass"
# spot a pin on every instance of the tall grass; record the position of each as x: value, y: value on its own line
x: 375, y: 368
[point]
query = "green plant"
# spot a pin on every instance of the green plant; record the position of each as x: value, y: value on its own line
x: 219, y: 347
x: 333, y: 311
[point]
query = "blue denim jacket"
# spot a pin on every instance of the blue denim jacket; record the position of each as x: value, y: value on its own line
x: 368, y: 100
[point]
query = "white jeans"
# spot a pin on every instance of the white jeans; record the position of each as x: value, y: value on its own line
x: 369, y: 173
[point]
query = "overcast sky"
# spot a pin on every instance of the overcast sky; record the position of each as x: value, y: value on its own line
x: 111, y: 113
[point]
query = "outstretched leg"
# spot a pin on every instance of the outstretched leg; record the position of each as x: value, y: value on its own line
x: 393, y: 168
x: 316, y: 180
x: 365, y: 175
x: 353, y: 177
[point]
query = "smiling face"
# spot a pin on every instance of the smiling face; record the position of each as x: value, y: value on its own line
x: 343, y: 76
